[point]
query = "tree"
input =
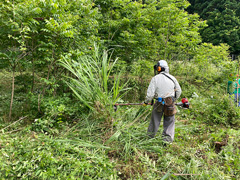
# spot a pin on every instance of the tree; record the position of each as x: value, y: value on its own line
x: 13, y: 36
x: 149, y: 29
x: 35, y: 34
x: 223, y: 21
x: 175, y: 30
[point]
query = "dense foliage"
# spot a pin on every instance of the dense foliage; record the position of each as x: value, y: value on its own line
x: 64, y: 64
x: 223, y: 20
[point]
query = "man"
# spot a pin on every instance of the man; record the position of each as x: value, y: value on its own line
x: 234, y: 88
x: 166, y: 89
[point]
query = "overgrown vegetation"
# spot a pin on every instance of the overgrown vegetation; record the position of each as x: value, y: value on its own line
x: 64, y: 64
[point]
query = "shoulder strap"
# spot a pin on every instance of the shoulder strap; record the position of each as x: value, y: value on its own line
x: 168, y: 77
x: 173, y: 83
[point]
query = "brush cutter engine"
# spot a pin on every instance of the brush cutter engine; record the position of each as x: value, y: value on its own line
x: 184, y: 103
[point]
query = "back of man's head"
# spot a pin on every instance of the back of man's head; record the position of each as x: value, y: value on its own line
x: 164, y: 64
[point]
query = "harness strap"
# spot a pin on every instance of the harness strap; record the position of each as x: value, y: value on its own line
x: 168, y: 77
x: 172, y: 81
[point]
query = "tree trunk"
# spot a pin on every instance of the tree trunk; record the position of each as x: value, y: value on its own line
x: 33, y: 75
x: 13, y: 84
x: 41, y: 95
x: 166, y: 42
x: 33, y: 67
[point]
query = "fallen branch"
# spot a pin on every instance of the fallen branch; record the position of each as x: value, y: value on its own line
x: 9, y: 132
x: 14, y: 123
x: 186, y: 174
x: 166, y: 175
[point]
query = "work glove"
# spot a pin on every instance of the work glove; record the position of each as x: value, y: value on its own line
x: 145, y: 104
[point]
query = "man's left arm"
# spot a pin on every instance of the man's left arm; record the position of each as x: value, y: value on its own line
x: 177, y: 89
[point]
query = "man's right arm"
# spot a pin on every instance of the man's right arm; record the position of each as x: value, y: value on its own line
x: 150, y: 91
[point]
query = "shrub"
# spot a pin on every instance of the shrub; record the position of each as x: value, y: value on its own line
x: 217, y: 109
x: 57, y: 111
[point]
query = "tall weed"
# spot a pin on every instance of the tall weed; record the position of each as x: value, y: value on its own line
x: 92, y: 83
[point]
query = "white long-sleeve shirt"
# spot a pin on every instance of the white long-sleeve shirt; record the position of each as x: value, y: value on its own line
x: 162, y: 86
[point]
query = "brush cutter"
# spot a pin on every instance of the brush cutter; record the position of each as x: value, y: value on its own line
x: 184, y: 104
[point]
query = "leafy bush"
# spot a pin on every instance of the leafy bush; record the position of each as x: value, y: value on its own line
x: 204, y: 81
x: 217, y: 109
x: 23, y: 82
x: 57, y: 111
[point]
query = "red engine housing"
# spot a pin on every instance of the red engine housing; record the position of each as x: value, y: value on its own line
x: 184, y: 100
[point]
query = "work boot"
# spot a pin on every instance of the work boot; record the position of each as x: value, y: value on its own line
x: 166, y: 143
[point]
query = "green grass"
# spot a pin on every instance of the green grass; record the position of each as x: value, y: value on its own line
x: 82, y: 152
x: 70, y: 141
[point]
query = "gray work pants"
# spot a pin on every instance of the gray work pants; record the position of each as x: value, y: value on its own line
x: 168, y: 123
